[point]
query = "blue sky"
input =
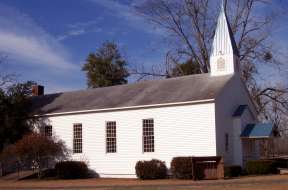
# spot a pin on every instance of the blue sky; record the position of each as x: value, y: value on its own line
x: 47, y: 41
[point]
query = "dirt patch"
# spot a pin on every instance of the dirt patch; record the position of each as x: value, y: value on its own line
x: 256, y: 183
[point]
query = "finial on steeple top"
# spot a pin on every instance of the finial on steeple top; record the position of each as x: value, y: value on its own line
x: 224, y: 5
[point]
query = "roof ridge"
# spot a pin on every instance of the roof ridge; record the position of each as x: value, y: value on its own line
x: 131, y: 84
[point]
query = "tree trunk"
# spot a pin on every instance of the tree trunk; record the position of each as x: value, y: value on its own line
x: 18, y: 170
x: 1, y: 169
x: 39, y: 170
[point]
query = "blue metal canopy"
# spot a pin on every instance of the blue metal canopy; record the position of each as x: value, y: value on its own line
x: 259, y: 130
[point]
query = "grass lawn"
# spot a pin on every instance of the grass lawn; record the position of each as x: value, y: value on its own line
x: 274, y: 182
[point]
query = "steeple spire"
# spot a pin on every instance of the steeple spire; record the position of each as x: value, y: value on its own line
x: 224, y: 55
x: 223, y: 5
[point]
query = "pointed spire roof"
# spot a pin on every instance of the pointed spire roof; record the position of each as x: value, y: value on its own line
x: 223, y: 5
x: 223, y: 35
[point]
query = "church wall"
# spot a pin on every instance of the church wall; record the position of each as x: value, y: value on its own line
x: 184, y: 130
x: 239, y: 124
x: 233, y: 95
x: 247, y: 152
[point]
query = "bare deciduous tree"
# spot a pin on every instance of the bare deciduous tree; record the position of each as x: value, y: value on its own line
x: 5, y: 78
x: 191, y: 25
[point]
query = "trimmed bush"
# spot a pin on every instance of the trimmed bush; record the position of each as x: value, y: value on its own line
x: 281, y: 163
x: 181, y: 167
x: 153, y: 169
x: 261, y: 167
x: 232, y: 171
x: 49, y: 173
x: 71, y: 170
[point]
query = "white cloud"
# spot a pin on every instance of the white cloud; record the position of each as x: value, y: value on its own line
x: 127, y: 12
x: 81, y: 28
x: 32, y: 50
x: 73, y: 32
x: 23, y: 39
x: 86, y: 23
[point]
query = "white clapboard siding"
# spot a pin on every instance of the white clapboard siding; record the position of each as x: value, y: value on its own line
x: 184, y: 130
x: 233, y: 95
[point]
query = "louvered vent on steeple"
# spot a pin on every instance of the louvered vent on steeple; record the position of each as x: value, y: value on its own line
x: 224, y: 53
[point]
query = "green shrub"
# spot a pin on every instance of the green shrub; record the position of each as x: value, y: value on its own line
x: 153, y: 169
x: 281, y: 163
x: 71, y: 170
x: 181, y: 167
x: 261, y: 167
x: 232, y: 171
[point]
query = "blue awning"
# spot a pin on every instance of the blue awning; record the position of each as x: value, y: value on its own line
x: 259, y: 130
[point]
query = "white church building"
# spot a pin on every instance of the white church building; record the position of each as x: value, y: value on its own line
x: 198, y: 115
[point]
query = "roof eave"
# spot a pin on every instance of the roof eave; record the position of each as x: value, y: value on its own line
x: 126, y: 108
x: 256, y: 137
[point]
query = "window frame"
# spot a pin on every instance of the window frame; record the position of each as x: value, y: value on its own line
x: 80, y: 142
x: 151, y: 149
x: 106, y: 137
x: 226, y: 142
x: 48, y: 131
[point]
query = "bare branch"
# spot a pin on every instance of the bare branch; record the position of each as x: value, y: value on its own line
x: 5, y: 79
x: 190, y: 24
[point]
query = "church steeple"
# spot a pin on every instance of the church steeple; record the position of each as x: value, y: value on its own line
x: 223, y: 5
x: 224, y: 55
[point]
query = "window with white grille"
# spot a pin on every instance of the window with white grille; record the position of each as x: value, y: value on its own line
x: 48, y: 131
x: 148, y: 135
x: 111, y: 137
x: 77, y: 138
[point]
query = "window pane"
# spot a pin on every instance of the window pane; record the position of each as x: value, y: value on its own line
x: 77, y: 138
x: 148, y: 135
x: 111, y: 137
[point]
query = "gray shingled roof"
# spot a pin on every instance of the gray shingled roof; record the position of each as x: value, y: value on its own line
x: 180, y: 89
